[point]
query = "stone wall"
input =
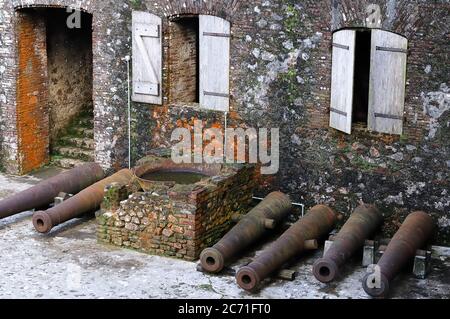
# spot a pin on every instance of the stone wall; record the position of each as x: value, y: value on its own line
x: 176, y: 220
x: 281, y: 77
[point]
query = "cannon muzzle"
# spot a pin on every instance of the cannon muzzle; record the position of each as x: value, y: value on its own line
x: 362, y: 224
x: 44, y: 193
x: 86, y: 201
x: 319, y: 221
x: 414, y: 233
x: 274, y: 208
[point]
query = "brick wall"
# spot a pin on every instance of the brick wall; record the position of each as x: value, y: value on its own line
x: 32, y: 92
x: 183, y: 60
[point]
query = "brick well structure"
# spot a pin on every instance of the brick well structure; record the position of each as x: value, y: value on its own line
x: 176, y: 220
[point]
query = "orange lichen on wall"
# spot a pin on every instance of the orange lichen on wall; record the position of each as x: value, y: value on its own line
x: 32, y: 109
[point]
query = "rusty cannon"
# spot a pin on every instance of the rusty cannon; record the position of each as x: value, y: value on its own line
x: 86, y: 201
x: 44, y: 193
x: 414, y: 233
x: 303, y: 235
x: 274, y: 208
x: 362, y: 224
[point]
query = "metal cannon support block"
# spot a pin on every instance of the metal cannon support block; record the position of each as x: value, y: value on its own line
x: 412, y: 235
x: 364, y: 221
x: 274, y: 208
x: 87, y: 200
x: 44, y: 193
x: 303, y: 235
x: 373, y: 250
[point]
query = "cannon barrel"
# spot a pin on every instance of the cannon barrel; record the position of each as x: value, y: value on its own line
x: 44, y: 193
x: 319, y: 221
x: 251, y: 227
x: 86, y: 201
x: 362, y: 224
x: 414, y: 233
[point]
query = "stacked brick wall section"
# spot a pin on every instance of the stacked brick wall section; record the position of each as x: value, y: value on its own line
x: 183, y: 57
x: 176, y: 220
x: 32, y: 92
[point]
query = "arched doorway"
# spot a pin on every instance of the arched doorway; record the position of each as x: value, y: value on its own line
x: 54, y: 87
x: 368, y: 80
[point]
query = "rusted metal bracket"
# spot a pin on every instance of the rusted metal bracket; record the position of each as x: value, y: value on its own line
x: 373, y: 250
x: 329, y: 242
x: 62, y: 197
x: 285, y: 274
x: 268, y: 223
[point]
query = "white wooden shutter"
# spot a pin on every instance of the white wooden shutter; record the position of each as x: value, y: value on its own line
x: 214, y: 63
x: 341, y: 110
x: 147, y: 58
x: 387, y: 82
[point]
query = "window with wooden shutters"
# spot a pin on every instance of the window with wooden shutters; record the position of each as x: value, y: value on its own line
x: 387, y: 82
x: 147, y: 58
x: 342, y: 80
x: 368, y: 80
x: 214, y: 63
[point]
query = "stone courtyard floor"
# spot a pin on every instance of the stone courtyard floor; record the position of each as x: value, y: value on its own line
x: 68, y: 263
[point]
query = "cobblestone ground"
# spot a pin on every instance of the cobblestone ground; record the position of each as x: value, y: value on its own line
x: 68, y: 263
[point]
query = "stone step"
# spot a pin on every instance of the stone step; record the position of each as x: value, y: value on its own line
x: 75, y: 153
x: 67, y: 163
x: 84, y: 132
x: 86, y: 143
x: 86, y: 122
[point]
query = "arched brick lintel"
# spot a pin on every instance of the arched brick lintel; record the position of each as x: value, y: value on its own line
x: 400, y: 17
x: 216, y: 8
x: 59, y: 5
x: 364, y: 27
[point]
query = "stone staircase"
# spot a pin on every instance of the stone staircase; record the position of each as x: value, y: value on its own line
x: 77, y: 145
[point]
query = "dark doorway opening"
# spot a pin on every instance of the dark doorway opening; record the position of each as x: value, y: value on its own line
x: 362, y: 76
x: 184, y: 62
x: 70, y: 71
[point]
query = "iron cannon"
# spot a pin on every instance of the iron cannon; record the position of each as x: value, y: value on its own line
x: 274, y: 208
x: 86, y: 201
x: 364, y: 221
x: 303, y: 235
x: 414, y: 233
x: 44, y: 193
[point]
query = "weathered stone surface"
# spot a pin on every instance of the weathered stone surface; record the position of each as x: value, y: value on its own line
x: 280, y: 77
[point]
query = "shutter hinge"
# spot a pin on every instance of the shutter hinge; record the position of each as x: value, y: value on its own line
x: 341, y: 46
x: 392, y: 50
x: 216, y: 94
x: 220, y: 35
x: 338, y: 111
x: 389, y: 116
